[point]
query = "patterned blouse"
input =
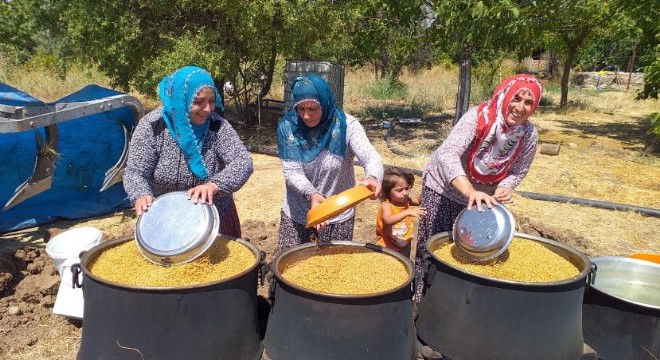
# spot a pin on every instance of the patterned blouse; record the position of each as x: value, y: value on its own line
x: 328, y: 174
x: 450, y: 160
x: 157, y: 166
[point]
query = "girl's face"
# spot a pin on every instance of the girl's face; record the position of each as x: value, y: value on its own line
x: 310, y: 112
x: 202, y: 106
x: 400, y: 192
x: 520, y: 108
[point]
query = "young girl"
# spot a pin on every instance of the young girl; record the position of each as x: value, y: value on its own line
x: 394, y: 225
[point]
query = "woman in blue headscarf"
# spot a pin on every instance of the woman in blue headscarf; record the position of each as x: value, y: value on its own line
x: 186, y: 145
x: 317, y: 143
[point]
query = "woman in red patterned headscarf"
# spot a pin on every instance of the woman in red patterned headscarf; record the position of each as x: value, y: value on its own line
x: 486, y: 155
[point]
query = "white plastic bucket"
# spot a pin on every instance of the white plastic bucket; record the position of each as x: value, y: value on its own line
x: 70, y: 243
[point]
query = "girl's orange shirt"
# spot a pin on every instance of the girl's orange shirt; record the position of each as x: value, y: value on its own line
x: 403, y: 230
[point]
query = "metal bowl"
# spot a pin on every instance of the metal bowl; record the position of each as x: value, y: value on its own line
x: 175, y: 230
x: 631, y: 280
x: 484, y: 235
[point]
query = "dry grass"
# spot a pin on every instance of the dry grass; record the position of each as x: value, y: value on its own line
x: 436, y: 87
x: 49, y: 85
x: 56, y: 347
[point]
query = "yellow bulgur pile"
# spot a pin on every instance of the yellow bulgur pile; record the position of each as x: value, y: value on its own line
x: 124, y: 264
x: 524, y: 261
x: 347, y: 270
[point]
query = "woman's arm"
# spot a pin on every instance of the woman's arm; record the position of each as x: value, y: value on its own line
x: 463, y: 185
x: 142, y: 159
x: 237, y: 159
x: 231, y: 151
x: 295, y: 178
x: 452, y: 151
x: 457, y: 144
x: 366, y: 154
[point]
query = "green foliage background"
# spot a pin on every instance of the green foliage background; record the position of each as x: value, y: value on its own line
x: 137, y: 42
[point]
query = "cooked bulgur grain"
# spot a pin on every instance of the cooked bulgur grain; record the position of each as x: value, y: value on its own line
x: 524, y: 261
x: 347, y: 270
x: 124, y: 264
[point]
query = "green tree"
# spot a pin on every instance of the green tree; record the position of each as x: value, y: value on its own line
x: 17, y: 42
x: 571, y: 26
x: 646, y: 14
x: 387, y: 34
x: 486, y: 26
x: 651, y: 79
x: 138, y: 42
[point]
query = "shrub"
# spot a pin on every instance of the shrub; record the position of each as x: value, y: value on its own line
x: 386, y: 89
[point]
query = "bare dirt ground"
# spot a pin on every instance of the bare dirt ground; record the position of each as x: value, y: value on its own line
x: 601, y: 152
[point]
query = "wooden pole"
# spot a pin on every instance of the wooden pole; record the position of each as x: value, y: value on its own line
x: 631, y: 63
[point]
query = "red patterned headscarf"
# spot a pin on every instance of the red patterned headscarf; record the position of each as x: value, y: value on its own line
x: 497, y: 144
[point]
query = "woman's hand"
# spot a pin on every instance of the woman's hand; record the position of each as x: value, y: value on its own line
x: 504, y: 195
x: 479, y: 197
x: 372, y: 184
x: 142, y: 204
x: 315, y: 200
x: 203, y: 193
x: 472, y: 196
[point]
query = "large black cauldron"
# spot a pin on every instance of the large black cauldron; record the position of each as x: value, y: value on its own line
x: 213, y: 321
x: 622, y: 309
x: 473, y: 317
x: 309, y: 325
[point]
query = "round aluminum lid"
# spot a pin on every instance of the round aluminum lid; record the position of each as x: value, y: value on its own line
x: 176, y: 230
x: 483, y: 235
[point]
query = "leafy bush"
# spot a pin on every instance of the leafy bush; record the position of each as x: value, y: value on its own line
x: 387, y: 90
x: 651, y: 80
x: 655, y: 124
x: 386, y: 112
x: 545, y: 101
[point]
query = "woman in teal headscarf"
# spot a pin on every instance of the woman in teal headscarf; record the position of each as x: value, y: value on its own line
x: 317, y: 143
x: 186, y: 145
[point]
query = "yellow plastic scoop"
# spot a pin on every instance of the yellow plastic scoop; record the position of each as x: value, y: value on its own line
x: 336, y: 204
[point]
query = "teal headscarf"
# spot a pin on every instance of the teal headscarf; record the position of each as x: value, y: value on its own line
x: 295, y: 140
x: 177, y: 92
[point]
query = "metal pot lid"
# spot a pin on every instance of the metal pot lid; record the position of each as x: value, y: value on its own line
x: 176, y: 230
x: 484, y: 235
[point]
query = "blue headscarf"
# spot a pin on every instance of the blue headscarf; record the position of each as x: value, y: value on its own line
x: 177, y: 92
x: 295, y: 140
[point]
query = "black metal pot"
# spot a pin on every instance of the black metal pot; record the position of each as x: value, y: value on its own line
x: 620, y: 325
x: 308, y: 325
x: 473, y: 317
x: 212, y: 321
